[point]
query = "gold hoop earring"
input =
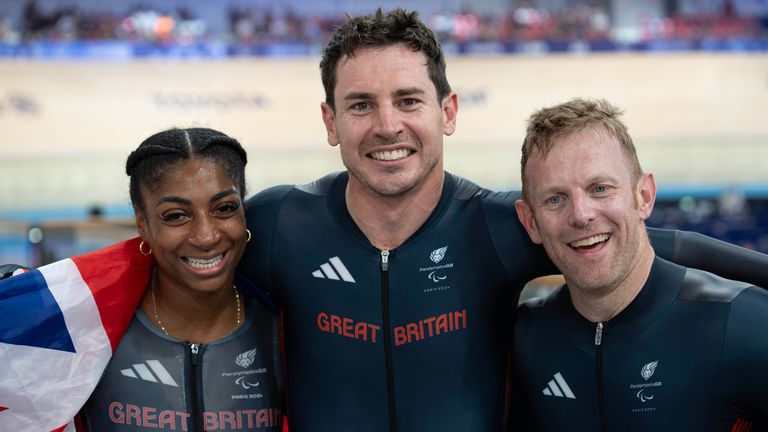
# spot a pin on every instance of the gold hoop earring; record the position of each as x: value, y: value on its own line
x: 249, y: 235
x: 141, y: 249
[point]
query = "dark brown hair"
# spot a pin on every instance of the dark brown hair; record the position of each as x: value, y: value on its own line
x: 382, y: 30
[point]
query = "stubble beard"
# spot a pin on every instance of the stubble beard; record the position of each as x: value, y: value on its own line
x: 600, y: 286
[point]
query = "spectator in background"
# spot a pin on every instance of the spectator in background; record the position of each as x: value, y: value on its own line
x: 35, y: 21
x: 7, y: 33
x: 732, y: 203
x: 527, y: 21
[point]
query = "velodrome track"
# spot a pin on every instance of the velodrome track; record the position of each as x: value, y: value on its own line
x: 67, y: 127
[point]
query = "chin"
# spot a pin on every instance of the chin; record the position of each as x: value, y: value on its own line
x: 401, y: 186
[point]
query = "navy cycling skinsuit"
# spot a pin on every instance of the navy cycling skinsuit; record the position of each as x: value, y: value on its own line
x: 690, y: 353
x: 156, y: 382
x: 411, y: 339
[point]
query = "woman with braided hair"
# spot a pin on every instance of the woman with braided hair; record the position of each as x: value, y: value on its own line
x: 198, y: 355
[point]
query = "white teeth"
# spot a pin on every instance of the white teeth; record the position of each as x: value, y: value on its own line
x: 390, y: 155
x: 204, y: 263
x: 590, y: 241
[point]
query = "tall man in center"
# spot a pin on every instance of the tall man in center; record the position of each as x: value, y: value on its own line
x: 397, y: 281
x: 396, y: 278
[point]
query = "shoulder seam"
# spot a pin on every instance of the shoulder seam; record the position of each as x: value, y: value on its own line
x: 320, y: 186
x: 701, y: 286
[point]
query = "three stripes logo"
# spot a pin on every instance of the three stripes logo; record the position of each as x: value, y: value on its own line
x: 741, y: 425
x: 153, y: 373
x: 334, y: 269
x: 558, y: 388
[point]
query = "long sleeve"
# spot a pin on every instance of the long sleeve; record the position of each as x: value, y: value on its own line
x: 692, y: 249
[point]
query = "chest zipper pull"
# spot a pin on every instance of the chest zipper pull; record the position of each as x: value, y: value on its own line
x: 599, y: 334
x: 384, y: 260
x: 194, y: 349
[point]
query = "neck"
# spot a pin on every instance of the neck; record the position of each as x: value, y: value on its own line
x: 193, y: 316
x: 388, y: 221
x: 605, y: 304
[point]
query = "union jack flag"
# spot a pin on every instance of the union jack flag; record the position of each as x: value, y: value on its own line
x: 59, y: 325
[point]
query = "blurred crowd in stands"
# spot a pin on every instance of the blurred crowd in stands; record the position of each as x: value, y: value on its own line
x: 525, y: 21
x: 730, y: 216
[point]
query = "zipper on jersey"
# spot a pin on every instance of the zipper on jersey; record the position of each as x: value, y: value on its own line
x: 599, y: 365
x: 194, y: 396
x: 387, y: 339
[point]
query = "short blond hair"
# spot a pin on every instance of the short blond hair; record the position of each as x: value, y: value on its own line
x: 547, y: 124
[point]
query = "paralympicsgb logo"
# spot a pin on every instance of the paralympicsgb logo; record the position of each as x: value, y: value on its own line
x: 437, y: 255
x: 246, y: 359
x: 646, y: 391
x: 437, y: 273
x: 648, y: 369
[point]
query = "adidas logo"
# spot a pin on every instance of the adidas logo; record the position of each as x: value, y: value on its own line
x: 327, y: 271
x: 558, y: 388
x: 144, y: 373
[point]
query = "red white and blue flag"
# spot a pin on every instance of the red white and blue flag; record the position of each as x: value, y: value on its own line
x: 59, y: 325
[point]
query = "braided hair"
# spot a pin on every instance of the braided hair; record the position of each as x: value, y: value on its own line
x: 147, y: 165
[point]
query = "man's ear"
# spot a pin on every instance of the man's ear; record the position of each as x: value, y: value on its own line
x: 450, y: 110
x: 646, y: 195
x: 525, y: 214
x: 329, y: 119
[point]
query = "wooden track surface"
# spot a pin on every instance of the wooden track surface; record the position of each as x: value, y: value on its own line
x: 68, y: 127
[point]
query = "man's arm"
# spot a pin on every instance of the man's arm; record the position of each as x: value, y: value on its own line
x: 261, y: 216
x: 746, y: 354
x: 692, y: 249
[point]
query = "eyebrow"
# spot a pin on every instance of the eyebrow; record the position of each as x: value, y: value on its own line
x: 398, y: 93
x: 409, y: 91
x: 358, y: 96
x: 599, y: 179
x: 546, y: 192
x: 603, y: 179
x: 184, y: 201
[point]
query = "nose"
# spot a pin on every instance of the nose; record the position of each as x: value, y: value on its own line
x: 388, y: 123
x: 205, y: 233
x: 582, y: 210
